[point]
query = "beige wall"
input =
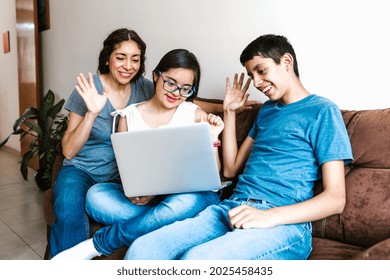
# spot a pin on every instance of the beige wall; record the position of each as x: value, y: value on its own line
x: 341, y: 45
x: 9, y: 93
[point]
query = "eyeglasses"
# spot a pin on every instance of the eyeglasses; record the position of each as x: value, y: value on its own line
x: 170, y: 86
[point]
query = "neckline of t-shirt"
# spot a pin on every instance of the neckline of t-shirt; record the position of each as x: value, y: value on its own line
x: 279, y: 104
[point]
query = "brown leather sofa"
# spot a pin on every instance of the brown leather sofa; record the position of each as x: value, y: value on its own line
x: 362, y: 231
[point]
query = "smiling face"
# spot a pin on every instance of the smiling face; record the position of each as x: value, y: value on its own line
x: 270, y: 78
x: 124, y: 62
x: 179, y: 76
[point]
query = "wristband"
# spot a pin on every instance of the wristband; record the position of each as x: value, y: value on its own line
x: 217, y: 143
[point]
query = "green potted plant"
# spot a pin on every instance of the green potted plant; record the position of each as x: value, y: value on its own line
x: 47, y: 127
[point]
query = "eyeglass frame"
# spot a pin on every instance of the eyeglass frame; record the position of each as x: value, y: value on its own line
x: 193, y: 89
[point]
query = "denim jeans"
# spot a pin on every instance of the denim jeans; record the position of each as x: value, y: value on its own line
x: 107, y: 204
x: 209, y: 235
x: 72, y: 224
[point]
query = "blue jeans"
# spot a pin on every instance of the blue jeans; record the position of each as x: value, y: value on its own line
x: 107, y: 204
x: 72, y: 225
x: 209, y: 236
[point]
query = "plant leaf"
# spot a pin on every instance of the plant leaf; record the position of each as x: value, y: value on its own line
x: 46, y: 104
x: 29, y: 113
x: 53, y: 111
x: 27, y: 156
x: 34, y: 127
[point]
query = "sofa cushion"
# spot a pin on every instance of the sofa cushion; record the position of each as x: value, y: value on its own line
x: 380, y: 251
x: 326, y: 249
x: 369, y: 133
x: 365, y: 219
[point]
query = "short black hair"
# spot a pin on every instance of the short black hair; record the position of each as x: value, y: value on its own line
x: 269, y: 46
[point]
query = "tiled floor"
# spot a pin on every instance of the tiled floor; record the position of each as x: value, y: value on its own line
x: 22, y: 225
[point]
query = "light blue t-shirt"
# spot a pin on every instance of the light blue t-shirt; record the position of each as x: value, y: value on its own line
x: 97, y: 155
x: 291, y: 142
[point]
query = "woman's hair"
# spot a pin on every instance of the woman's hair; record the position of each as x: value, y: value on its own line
x: 269, y: 46
x: 112, y: 42
x: 180, y: 58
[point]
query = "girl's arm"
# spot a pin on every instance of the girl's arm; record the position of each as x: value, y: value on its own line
x: 122, y: 125
x: 216, y: 127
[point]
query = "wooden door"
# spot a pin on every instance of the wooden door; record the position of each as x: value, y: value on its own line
x: 28, y: 61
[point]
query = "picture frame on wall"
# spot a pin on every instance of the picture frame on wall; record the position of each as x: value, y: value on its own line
x: 43, y: 15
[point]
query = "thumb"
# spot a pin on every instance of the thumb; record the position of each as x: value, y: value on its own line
x: 106, y: 90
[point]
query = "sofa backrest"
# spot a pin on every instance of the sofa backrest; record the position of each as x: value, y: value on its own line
x: 366, y: 217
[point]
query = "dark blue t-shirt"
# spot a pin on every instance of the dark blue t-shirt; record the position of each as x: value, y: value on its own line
x: 97, y: 156
x: 291, y: 142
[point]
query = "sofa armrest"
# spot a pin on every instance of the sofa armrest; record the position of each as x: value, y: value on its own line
x: 379, y: 251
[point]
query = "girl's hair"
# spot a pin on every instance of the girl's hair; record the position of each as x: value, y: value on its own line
x: 180, y: 58
x: 112, y: 42
x: 269, y: 46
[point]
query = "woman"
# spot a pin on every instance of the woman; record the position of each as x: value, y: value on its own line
x: 86, y: 145
x: 176, y: 79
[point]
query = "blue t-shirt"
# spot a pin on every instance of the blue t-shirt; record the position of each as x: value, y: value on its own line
x: 291, y: 142
x: 97, y: 155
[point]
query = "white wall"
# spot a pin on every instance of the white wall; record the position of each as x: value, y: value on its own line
x: 341, y: 45
x: 9, y: 92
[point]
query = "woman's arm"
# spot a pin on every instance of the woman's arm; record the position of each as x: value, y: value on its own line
x: 80, y: 127
x: 77, y: 133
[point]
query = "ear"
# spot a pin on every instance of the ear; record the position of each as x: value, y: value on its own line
x: 287, y: 60
x: 155, y: 76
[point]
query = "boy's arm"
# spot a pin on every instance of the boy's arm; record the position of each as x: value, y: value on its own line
x: 215, y: 107
x: 233, y: 158
x: 329, y: 202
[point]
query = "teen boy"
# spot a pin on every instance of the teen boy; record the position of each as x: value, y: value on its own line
x: 297, y: 138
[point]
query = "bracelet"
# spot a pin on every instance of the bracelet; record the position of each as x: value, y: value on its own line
x: 217, y: 143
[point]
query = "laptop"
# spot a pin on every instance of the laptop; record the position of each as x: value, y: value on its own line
x: 167, y: 160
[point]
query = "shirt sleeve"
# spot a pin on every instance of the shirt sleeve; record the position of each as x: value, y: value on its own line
x: 330, y: 138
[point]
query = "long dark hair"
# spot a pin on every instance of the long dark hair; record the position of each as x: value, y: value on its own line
x: 111, y: 43
x: 180, y: 58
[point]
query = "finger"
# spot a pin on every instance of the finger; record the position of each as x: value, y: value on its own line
x: 241, y: 80
x: 248, y: 82
x: 235, y: 80
x: 79, y: 90
x: 245, y: 98
x: 227, y: 83
x: 82, y: 82
x: 242, y: 216
x: 213, y: 119
x: 105, y: 90
x: 233, y: 212
x: 91, y: 82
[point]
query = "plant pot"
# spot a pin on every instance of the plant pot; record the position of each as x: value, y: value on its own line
x: 42, y: 183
